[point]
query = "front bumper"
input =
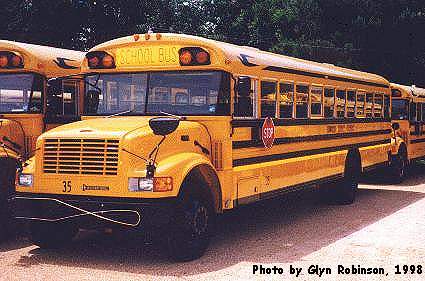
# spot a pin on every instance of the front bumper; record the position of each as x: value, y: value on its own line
x: 94, y: 212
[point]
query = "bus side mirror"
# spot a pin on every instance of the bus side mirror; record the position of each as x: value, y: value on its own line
x: 243, y: 86
x: 395, y: 126
x: 163, y: 126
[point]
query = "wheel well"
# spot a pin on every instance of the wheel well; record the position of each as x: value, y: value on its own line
x: 7, y: 174
x: 203, y: 177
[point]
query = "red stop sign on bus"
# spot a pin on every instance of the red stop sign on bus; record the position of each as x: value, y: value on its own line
x: 267, y: 132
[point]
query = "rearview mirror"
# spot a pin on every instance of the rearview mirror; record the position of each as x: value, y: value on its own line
x: 243, y: 86
x: 91, y: 102
x: 163, y: 126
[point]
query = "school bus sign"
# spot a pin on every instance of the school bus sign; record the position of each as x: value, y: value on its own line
x: 267, y: 132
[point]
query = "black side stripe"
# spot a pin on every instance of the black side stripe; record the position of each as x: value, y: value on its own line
x: 295, y: 154
x: 258, y: 142
x: 250, y: 123
x: 324, y: 76
x: 417, y: 141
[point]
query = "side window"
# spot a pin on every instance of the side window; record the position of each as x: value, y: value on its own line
x: 268, y: 99
x: 340, y: 103
x: 412, y: 111
x: 316, y: 99
x: 419, y: 112
x: 351, y: 102
x: 62, y: 100
x: 387, y: 106
x: 244, y: 102
x: 302, y: 101
x: 378, y: 106
x: 369, y: 105
x: 423, y: 111
x: 329, y: 102
x: 360, y: 104
x: 36, y: 102
x: 286, y: 100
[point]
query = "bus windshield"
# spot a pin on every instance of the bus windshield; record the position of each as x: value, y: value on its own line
x: 400, y: 109
x: 146, y: 93
x: 20, y: 93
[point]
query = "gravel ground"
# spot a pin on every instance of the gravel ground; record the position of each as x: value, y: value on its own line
x: 384, y: 228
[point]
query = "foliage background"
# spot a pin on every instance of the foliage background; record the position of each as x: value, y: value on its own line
x: 380, y: 36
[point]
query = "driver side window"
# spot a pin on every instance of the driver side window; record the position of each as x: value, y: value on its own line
x: 62, y: 101
x: 245, y: 97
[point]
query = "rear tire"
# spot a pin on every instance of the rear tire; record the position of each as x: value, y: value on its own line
x: 398, y: 167
x: 343, y: 191
x: 190, y: 233
x: 51, y: 235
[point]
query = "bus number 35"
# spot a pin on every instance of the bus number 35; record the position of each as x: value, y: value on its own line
x: 66, y: 186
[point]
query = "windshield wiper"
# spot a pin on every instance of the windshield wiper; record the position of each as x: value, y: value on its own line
x: 173, y: 115
x: 122, y: 113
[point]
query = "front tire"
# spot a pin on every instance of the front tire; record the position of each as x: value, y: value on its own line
x: 190, y: 233
x: 7, y: 188
x: 51, y: 235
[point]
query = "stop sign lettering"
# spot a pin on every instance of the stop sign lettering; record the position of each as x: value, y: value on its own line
x: 267, y: 132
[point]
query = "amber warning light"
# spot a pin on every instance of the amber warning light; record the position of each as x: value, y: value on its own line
x: 100, y: 60
x: 9, y: 60
x: 194, y: 56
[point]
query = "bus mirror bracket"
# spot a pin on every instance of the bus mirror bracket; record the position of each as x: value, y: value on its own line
x: 161, y: 126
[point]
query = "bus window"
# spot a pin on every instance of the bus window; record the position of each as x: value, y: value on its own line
x: 387, y: 106
x: 244, y: 102
x: 351, y: 101
x: 418, y: 112
x: 340, y: 103
x: 302, y: 101
x: 286, y: 100
x: 423, y: 111
x: 360, y: 104
x: 316, y: 101
x: 369, y: 105
x: 329, y: 102
x: 378, y: 105
x: 412, y: 111
x: 268, y: 99
x: 400, y: 109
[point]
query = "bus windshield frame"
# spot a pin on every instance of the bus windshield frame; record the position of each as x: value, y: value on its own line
x: 21, y: 93
x: 186, y: 93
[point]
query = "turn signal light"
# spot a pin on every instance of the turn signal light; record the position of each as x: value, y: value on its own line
x: 10, y: 60
x: 162, y: 184
x: 100, y: 60
x: 194, y: 56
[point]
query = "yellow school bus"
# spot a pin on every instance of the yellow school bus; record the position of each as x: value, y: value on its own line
x: 194, y: 127
x: 408, y: 115
x: 28, y: 107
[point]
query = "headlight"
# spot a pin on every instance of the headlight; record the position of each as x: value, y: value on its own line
x: 25, y: 180
x: 161, y: 184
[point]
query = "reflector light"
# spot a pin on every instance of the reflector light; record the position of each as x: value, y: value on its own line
x: 162, y: 184
x: 186, y: 57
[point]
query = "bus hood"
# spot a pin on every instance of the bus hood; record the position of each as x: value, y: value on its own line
x: 114, y: 128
